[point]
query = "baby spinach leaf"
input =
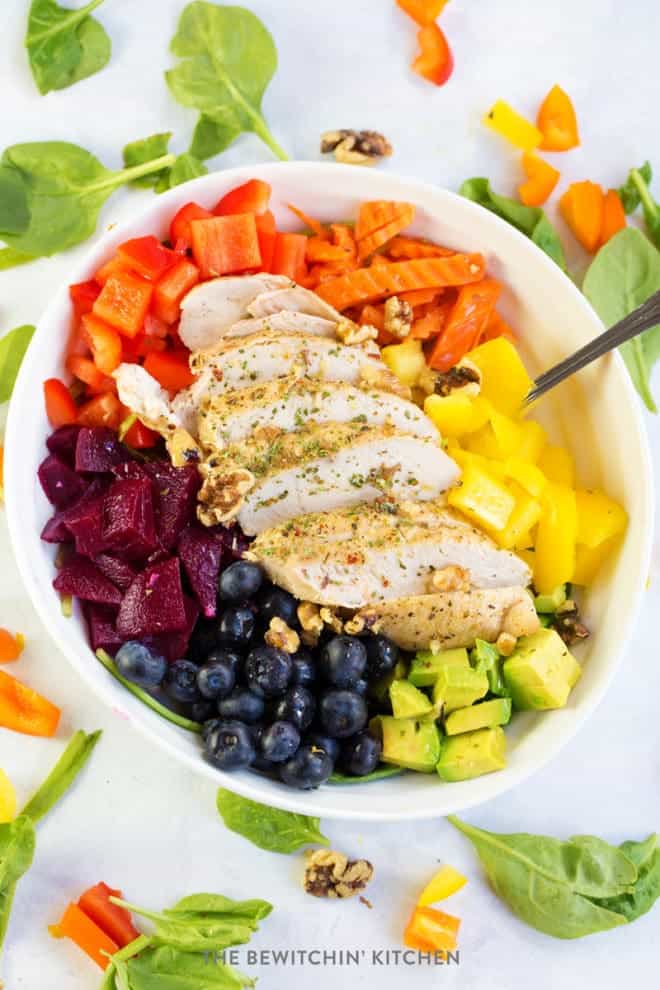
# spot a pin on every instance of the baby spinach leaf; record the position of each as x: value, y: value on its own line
x: 64, y: 45
x: 550, y: 884
x: 59, y: 780
x: 229, y: 58
x: 646, y: 857
x: 14, y: 208
x: 12, y: 351
x: 186, y: 167
x: 629, y: 193
x: 530, y: 220
x: 380, y: 773
x: 650, y: 208
x: 268, y: 828
x: 167, y: 968
x: 10, y: 258
x: 624, y: 273
x: 145, y: 150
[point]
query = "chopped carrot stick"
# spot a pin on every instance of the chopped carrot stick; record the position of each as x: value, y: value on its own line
x: 416, y: 247
x: 466, y: 323
x: 321, y: 250
x: 309, y: 222
x: 371, y: 242
x: 419, y: 297
x: 378, y: 213
x: 373, y: 316
x: 343, y: 237
x: 379, y: 261
x: 497, y: 327
x: 11, y: 646
x: 433, y: 322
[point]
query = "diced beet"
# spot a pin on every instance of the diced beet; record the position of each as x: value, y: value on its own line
x: 173, y: 646
x: 129, y: 469
x: 128, y: 518
x: 62, y: 443
x: 98, y: 450
x: 62, y: 486
x: 154, y: 603
x: 176, y: 498
x: 101, y: 625
x: 200, y: 551
x: 82, y: 579
x: 234, y: 542
x: 85, y: 523
x: 120, y: 572
x: 56, y: 530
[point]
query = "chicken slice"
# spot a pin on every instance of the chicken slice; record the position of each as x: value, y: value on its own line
x: 211, y: 308
x: 453, y: 618
x: 380, y: 552
x: 144, y: 396
x: 288, y: 321
x: 294, y: 298
x: 291, y: 403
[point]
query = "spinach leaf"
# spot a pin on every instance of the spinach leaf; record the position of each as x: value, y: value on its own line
x: 650, y: 208
x: 12, y: 351
x: 10, y: 258
x: 624, y: 273
x: 145, y: 150
x: 530, y: 220
x: 166, y: 968
x: 64, y: 45
x: 380, y: 773
x: 268, y: 828
x: 646, y: 857
x: 550, y: 884
x: 64, y: 188
x: 186, y: 167
x: 229, y: 58
x: 629, y: 193
x: 59, y: 780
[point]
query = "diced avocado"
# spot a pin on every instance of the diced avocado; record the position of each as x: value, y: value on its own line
x: 379, y: 689
x: 408, y: 742
x: 472, y: 754
x: 485, y: 715
x: 457, y: 687
x: 426, y: 665
x: 541, y: 671
x: 548, y: 604
x: 408, y: 701
x: 487, y: 659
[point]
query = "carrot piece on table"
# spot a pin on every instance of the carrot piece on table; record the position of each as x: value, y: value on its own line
x: 124, y: 301
x: 582, y: 208
x: 224, y: 245
x: 23, y: 710
x: 557, y: 122
x: 104, y: 342
x: 170, y: 369
x: 465, y: 324
x: 422, y: 11
x: 614, y: 217
x: 252, y: 197
x: 435, y: 61
x: 378, y: 213
x: 60, y: 407
x: 378, y: 282
x: 496, y: 327
x: 171, y: 288
x: 416, y: 247
x: 433, y: 322
x: 87, y: 935
x: 309, y: 222
x: 289, y: 255
x: 102, y: 410
x: 112, y: 919
x: 419, y: 297
x: 266, y: 235
x: 11, y: 646
x: 541, y: 180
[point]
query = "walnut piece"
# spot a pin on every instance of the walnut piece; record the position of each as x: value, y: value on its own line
x: 464, y: 377
x: 331, y: 874
x: 352, y: 333
x: 311, y: 623
x: 356, y: 147
x: 221, y: 494
x: 354, y: 626
x: 398, y: 316
x: 567, y: 623
x: 450, y: 578
x: 281, y: 636
x: 331, y: 619
x: 506, y: 644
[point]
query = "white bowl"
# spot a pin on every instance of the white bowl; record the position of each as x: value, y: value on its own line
x: 597, y: 415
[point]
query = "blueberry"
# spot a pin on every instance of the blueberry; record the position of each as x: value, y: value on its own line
x: 201, y: 711
x: 210, y: 726
x: 224, y: 654
x: 229, y: 746
x: 268, y: 671
x: 342, y: 713
x: 279, y: 741
x: 138, y: 664
x: 242, y: 705
x: 236, y: 626
x: 361, y: 754
x: 304, y: 669
x: 277, y: 603
x: 361, y: 687
x: 240, y: 581
x: 342, y: 661
x: 215, y: 679
x: 204, y: 639
x: 309, y: 768
x: 326, y: 743
x: 297, y: 706
x: 181, y: 682
x: 382, y: 656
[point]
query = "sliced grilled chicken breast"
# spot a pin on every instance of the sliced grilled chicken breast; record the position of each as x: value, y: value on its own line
x: 211, y: 308
x: 292, y: 298
x: 144, y: 396
x: 288, y: 321
x: 381, y: 552
x: 453, y: 618
x: 291, y: 403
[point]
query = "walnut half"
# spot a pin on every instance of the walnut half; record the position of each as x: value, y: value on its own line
x: 281, y: 636
x: 398, y: 317
x: 356, y: 147
x: 331, y: 874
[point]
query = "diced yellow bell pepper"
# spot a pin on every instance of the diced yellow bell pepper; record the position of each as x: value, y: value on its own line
x: 554, y: 562
x: 525, y: 515
x: 8, y: 803
x: 504, y: 380
x: 482, y: 498
x: 557, y: 465
x: 452, y: 414
x: 528, y: 556
x: 465, y: 457
x: 512, y: 126
x: 484, y: 443
x: 588, y: 560
x: 507, y: 433
x: 599, y: 517
x: 533, y: 439
x: 527, y: 475
x: 524, y: 542
x: 447, y: 881
x: 405, y: 360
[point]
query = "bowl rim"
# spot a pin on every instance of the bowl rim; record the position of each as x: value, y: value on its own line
x: 249, y: 784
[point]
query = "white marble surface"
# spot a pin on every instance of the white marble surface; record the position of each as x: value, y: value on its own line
x: 136, y: 819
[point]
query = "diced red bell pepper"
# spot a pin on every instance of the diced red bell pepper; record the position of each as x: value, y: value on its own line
x: 135, y: 348
x: 289, y: 256
x: 102, y: 410
x: 124, y: 301
x: 60, y: 407
x: 146, y: 256
x: 155, y: 327
x: 84, y: 369
x: 170, y: 369
x: 104, y: 343
x: 115, y: 921
x: 225, y: 245
x: 140, y: 437
x: 252, y: 197
x: 171, y: 288
x: 267, y: 234
x: 109, y: 268
x: 180, y: 225
x: 83, y: 296
x: 77, y: 343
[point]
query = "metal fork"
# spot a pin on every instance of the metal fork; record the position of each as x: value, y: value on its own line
x: 645, y: 316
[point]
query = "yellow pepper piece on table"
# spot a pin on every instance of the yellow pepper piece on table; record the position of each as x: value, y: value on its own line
x: 8, y: 804
x: 599, y: 517
x: 504, y: 381
x: 541, y: 180
x: 588, y: 560
x: 430, y: 930
x: 482, y: 498
x: 447, y: 881
x: 554, y: 561
x: 557, y: 465
x: 512, y: 126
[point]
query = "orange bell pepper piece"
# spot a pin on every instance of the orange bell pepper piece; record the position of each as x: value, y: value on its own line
x: 422, y: 11
x: 112, y: 919
x: 582, y: 207
x: 614, y: 217
x: 435, y: 61
x: 75, y: 925
x: 430, y: 930
x: 60, y: 407
x: 11, y: 646
x: 541, y: 180
x: 557, y: 122
x: 23, y: 710
x: 466, y: 322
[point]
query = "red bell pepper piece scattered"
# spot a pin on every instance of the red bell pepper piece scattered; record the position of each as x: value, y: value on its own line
x: 102, y: 410
x: 124, y: 301
x: 23, y: 710
x: 289, y: 256
x: 170, y: 369
x: 252, y: 197
x: 104, y: 342
x: 83, y: 296
x: 115, y: 921
x: 267, y: 235
x: 87, y: 935
x: 435, y: 61
x: 224, y: 245
x: 146, y: 256
x: 172, y: 287
x: 180, y: 226
x: 60, y: 407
